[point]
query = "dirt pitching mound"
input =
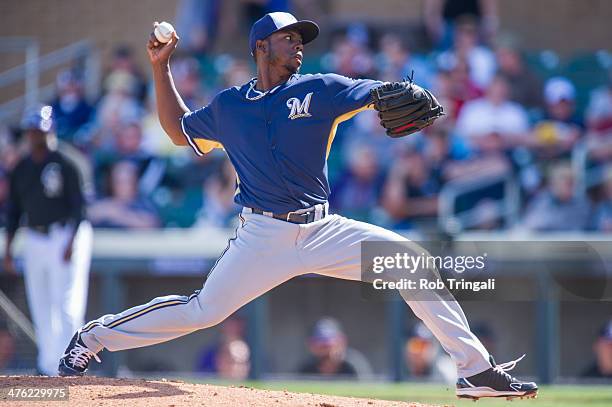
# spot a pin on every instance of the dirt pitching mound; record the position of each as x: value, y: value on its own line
x: 100, y: 391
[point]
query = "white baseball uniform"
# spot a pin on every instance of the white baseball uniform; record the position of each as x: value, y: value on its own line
x: 47, y: 194
x: 56, y: 289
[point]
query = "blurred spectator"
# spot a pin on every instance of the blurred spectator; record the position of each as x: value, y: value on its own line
x: 219, y: 209
x: 126, y: 146
x: 493, y: 123
x: 602, y: 215
x: 197, y: 22
x: 599, y: 122
x: 123, y: 61
x: 186, y: 74
x: 229, y: 356
x: 358, y: 188
x: 233, y: 360
x: 7, y: 347
x: 556, y: 135
x: 117, y: 107
x: 362, y: 131
x: 395, y: 61
x: 125, y: 90
x: 70, y: 107
x: 458, y: 86
x: 444, y: 153
x: 556, y: 208
x: 154, y: 138
x: 330, y: 353
x: 194, y: 172
x: 124, y: 208
x: 449, y: 160
x: 4, y: 192
x: 525, y: 86
x: 486, y: 215
x: 599, y: 147
x: 599, y: 110
x: 237, y: 73
x: 440, y: 17
x: 411, y: 190
x: 350, y: 57
x: 484, y: 201
x: 481, y: 60
x: 425, y: 358
x: 602, y: 348
x: 180, y: 196
x: 444, y: 89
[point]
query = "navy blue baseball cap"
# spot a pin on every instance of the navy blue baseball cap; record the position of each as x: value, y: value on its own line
x: 326, y: 330
x: 273, y: 22
x: 606, y: 331
x: 38, y: 117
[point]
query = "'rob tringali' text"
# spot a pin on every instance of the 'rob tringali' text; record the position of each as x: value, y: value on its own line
x: 438, y: 284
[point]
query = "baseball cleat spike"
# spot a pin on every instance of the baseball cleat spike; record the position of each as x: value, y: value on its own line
x: 460, y: 396
x: 496, y: 382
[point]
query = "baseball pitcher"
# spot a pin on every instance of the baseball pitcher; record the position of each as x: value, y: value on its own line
x: 277, y: 130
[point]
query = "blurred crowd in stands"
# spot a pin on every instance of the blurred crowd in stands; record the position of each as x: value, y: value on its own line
x: 541, y: 122
x: 330, y: 354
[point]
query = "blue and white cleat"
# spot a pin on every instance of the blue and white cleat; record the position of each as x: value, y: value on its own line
x: 76, y: 358
x: 496, y: 382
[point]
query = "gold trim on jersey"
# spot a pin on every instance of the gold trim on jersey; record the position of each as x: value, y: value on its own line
x: 200, y: 146
x: 340, y: 119
x: 206, y: 146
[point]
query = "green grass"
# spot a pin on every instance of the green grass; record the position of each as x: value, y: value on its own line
x: 548, y: 396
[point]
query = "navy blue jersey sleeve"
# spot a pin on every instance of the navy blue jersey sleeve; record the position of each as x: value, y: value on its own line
x: 349, y: 95
x: 200, y: 128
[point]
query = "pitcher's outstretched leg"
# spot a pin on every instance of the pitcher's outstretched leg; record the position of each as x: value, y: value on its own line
x: 260, y: 257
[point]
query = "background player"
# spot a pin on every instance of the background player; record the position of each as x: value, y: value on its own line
x: 277, y: 130
x: 46, y: 193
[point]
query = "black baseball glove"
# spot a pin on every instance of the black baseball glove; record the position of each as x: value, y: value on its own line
x: 405, y: 108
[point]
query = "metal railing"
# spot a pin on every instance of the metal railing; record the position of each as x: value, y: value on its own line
x: 81, y: 52
x: 506, y: 208
x: 586, y: 176
x: 28, y: 71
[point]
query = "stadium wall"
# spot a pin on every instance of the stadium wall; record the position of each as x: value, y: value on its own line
x: 57, y: 23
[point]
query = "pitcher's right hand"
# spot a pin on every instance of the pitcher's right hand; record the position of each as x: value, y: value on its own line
x: 159, y: 53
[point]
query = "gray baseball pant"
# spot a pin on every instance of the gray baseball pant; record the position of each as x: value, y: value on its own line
x: 265, y: 253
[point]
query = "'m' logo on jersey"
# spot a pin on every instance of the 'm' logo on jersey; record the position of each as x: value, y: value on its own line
x: 299, y: 109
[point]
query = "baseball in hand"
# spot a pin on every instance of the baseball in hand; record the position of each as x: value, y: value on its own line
x: 163, y: 32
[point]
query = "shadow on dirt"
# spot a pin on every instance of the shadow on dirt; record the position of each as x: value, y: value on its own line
x: 149, y: 389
